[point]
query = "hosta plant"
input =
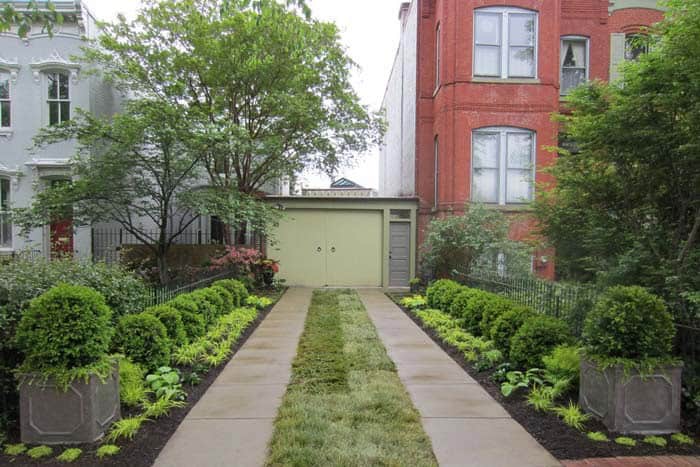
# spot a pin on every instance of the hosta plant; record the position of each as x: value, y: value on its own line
x: 517, y: 379
x: 166, y: 382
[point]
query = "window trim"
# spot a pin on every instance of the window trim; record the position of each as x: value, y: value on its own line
x: 438, y: 55
x: 503, y: 132
x: 58, y: 100
x: 9, y: 200
x: 504, y: 64
x: 10, y: 82
x: 574, y: 37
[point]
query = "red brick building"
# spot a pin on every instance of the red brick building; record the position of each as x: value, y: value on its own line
x: 473, y: 89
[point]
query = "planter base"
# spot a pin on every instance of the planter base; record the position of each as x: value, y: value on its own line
x: 81, y: 414
x: 632, y: 403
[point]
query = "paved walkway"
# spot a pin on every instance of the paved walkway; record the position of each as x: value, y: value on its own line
x: 233, y: 422
x: 466, y: 425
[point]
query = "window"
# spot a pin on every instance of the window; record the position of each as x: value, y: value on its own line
x: 574, y: 62
x: 5, y: 101
x: 436, y: 149
x: 58, y: 98
x: 635, y: 45
x: 502, y: 165
x: 437, y: 57
x: 505, y: 43
x: 5, y: 224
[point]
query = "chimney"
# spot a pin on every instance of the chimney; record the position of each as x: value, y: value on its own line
x: 403, y: 12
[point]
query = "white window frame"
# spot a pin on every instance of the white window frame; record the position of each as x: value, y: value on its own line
x: 58, y: 100
x: 504, y: 45
x: 438, y: 53
x: 3, y: 74
x: 587, y: 42
x: 502, y: 178
x: 2, y: 213
x: 436, y: 149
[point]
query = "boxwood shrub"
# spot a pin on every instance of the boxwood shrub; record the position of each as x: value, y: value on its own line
x: 194, y: 322
x: 629, y: 323
x: 209, y: 304
x: 492, y: 310
x: 172, y: 320
x: 537, y: 337
x: 474, y: 313
x: 460, y: 303
x: 507, y: 325
x: 237, y: 288
x: 65, y: 328
x: 226, y: 298
x: 143, y: 339
x: 441, y: 293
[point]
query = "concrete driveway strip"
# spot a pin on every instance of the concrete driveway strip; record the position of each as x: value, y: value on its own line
x: 466, y: 425
x: 232, y: 423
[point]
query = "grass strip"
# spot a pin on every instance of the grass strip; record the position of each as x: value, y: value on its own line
x: 345, y: 405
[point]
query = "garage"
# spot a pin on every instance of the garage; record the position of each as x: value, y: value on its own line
x: 364, y: 242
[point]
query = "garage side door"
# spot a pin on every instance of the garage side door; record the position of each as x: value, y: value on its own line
x: 354, y: 242
x: 298, y: 239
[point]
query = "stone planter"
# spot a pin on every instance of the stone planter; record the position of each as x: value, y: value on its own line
x: 81, y: 414
x: 632, y: 403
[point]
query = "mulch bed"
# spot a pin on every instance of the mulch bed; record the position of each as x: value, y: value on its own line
x: 558, y: 438
x: 153, y: 435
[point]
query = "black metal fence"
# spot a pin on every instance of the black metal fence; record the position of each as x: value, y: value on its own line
x: 164, y: 293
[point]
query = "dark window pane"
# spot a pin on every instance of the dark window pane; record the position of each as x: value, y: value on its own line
x: 5, y: 231
x: 5, y: 114
x: 4, y: 194
x: 4, y: 87
x: 63, y: 86
x: 53, y: 85
x: 53, y: 113
x: 65, y: 111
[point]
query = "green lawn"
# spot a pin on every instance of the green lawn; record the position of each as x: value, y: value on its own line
x: 346, y: 405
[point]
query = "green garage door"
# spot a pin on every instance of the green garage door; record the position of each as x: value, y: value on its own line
x: 318, y: 248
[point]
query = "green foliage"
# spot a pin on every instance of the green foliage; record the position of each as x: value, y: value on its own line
x: 161, y: 407
x: 126, y: 428
x: 521, y: 380
x: 210, y: 304
x: 143, y: 339
x: 458, y: 243
x: 258, y: 302
x: 166, y: 383
x: 238, y: 291
x: 488, y: 359
x: 655, y: 441
x: 625, y: 441
x: 15, y: 449
x: 132, y: 388
x: 563, y: 362
x: 194, y: 322
x: 474, y: 313
x: 491, y: 311
x: 598, y: 437
x: 507, y: 325
x: 682, y: 438
x: 541, y: 398
x: 624, y: 208
x: 39, y: 452
x: 107, y: 450
x: 441, y: 293
x: 461, y: 302
x: 537, y: 337
x: 70, y: 455
x: 438, y: 320
x: 572, y: 415
x: 26, y: 18
x: 629, y: 323
x: 172, y: 320
x: 67, y: 327
x: 414, y: 302
x: 226, y: 298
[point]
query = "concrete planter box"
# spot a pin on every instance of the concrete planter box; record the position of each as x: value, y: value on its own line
x: 81, y: 414
x: 632, y: 404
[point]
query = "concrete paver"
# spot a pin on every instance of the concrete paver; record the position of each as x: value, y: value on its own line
x: 233, y: 422
x: 466, y: 425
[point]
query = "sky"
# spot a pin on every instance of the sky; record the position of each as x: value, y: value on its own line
x: 370, y: 32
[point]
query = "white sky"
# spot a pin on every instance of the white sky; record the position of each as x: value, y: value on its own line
x: 370, y: 32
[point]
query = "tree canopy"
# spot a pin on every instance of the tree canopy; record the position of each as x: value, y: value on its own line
x: 625, y: 207
x: 46, y: 15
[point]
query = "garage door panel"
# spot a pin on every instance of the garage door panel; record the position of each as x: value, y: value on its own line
x: 354, y: 241
x: 297, y: 241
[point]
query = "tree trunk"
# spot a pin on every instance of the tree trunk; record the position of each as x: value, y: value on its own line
x: 162, y: 262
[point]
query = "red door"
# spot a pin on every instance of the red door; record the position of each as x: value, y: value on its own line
x: 62, y: 238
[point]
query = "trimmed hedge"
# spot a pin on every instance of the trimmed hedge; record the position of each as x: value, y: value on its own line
x: 441, y: 293
x: 507, y: 325
x: 209, y: 306
x: 492, y: 310
x: 172, y: 320
x: 226, y: 298
x: 537, y: 337
x: 473, y: 315
x: 237, y: 289
x: 629, y: 323
x: 461, y: 301
x: 143, y: 339
x: 195, y: 323
x: 65, y: 328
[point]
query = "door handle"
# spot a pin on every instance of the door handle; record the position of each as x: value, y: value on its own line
x: 319, y: 249
x: 332, y: 249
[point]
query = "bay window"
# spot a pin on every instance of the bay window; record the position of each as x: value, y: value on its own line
x: 505, y: 43
x: 502, y: 165
x: 574, y: 63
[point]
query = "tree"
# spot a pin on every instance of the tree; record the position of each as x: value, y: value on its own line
x: 458, y: 244
x: 132, y: 169
x: 265, y: 89
x: 625, y: 208
x: 31, y: 14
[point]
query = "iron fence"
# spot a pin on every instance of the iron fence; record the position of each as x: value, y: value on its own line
x: 161, y: 294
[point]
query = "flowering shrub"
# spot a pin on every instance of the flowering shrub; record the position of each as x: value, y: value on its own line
x: 244, y: 259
